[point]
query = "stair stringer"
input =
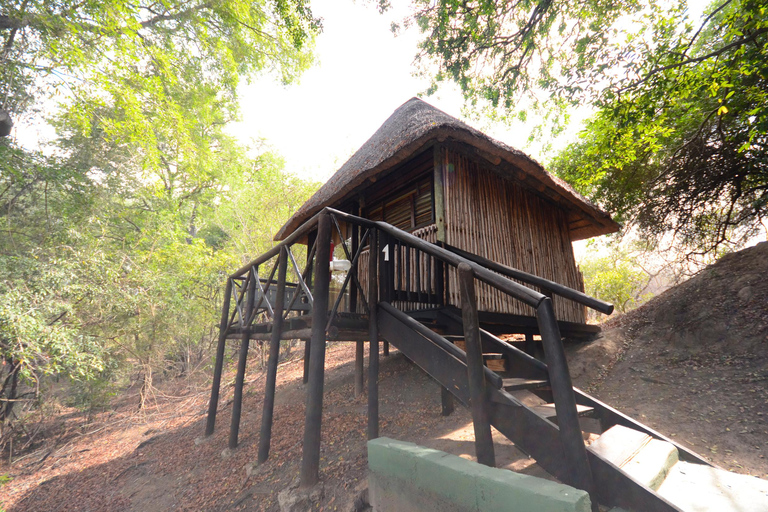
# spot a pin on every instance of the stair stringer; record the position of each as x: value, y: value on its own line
x: 534, y: 435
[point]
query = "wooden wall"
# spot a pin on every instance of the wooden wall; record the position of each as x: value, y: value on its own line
x: 495, y: 218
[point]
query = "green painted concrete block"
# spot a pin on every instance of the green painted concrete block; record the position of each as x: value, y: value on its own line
x: 506, y: 490
x: 462, y: 485
x: 448, y: 476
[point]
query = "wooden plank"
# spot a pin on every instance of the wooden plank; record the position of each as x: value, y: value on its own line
x: 213, y: 404
x: 478, y: 405
x: 265, y: 435
x: 310, y: 462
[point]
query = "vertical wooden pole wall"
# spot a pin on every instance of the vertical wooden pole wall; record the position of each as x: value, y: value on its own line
x: 219, y: 363
x: 265, y: 436
x: 310, y: 463
x: 477, y: 395
x: 373, y: 336
x: 575, y: 456
x: 234, y: 428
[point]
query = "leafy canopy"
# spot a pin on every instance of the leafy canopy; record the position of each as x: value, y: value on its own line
x: 678, y: 141
x: 116, y: 238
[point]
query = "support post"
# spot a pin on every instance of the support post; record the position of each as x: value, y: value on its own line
x: 311, y: 237
x: 213, y: 404
x: 355, y: 246
x: 373, y: 336
x: 265, y: 436
x: 530, y: 344
x: 446, y: 401
x: 307, y: 352
x: 575, y: 456
x: 310, y: 463
x: 237, y: 403
x: 477, y: 395
x: 359, y: 368
x: 386, y: 348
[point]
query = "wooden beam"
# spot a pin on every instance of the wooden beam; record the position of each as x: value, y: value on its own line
x: 439, y: 193
x: 575, y: 454
x: 373, y: 336
x: 477, y: 394
x: 234, y: 428
x: 310, y: 462
x: 359, y: 368
x: 219, y: 363
x: 265, y: 435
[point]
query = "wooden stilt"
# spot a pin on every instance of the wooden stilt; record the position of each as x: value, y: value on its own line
x: 373, y: 335
x: 530, y: 344
x: 359, y: 368
x: 386, y: 348
x: 265, y: 436
x: 307, y: 351
x: 237, y: 403
x: 446, y: 401
x: 310, y: 463
x: 477, y: 397
x: 575, y: 454
x: 213, y: 404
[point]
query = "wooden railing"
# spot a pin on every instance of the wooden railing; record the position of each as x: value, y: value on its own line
x: 402, y: 268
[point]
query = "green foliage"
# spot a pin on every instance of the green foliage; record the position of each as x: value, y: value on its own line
x: 117, y: 238
x: 616, y: 278
x: 680, y: 134
x: 684, y: 150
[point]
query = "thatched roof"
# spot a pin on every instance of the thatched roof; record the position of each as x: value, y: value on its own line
x: 415, y: 125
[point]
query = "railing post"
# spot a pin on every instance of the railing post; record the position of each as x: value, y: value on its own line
x: 310, y: 463
x: 219, y: 362
x: 477, y: 395
x: 237, y: 403
x: 359, y: 368
x: 446, y: 402
x: 373, y: 336
x: 265, y: 436
x: 577, y: 464
x: 311, y: 238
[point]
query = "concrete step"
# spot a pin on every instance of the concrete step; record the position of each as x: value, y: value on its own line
x: 642, y: 457
x: 700, y: 488
x: 547, y: 411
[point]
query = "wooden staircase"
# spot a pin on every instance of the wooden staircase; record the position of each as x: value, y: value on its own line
x: 629, y: 460
x: 531, y: 403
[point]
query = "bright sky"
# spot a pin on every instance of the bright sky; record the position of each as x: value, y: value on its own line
x: 364, y: 74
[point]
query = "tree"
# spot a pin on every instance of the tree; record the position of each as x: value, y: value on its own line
x: 678, y: 141
x: 616, y: 277
x: 106, y: 262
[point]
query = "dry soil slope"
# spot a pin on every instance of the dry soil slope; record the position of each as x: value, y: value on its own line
x: 693, y: 362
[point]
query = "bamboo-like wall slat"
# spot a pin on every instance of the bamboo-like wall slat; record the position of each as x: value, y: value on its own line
x: 495, y: 218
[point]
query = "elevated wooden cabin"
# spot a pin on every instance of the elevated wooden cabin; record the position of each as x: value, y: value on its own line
x: 432, y: 175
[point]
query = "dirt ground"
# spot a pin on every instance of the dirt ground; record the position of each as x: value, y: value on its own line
x: 693, y: 364
x: 123, y: 461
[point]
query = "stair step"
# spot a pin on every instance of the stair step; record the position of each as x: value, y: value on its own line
x: 701, y: 488
x: 642, y: 457
x: 490, y: 355
x: 516, y: 383
x: 547, y: 411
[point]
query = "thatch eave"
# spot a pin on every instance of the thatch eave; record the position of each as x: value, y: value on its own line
x: 415, y: 126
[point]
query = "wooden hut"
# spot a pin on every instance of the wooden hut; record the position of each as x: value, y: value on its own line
x: 432, y: 175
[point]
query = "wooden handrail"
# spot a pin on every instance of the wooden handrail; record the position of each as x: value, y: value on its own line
x: 506, y: 285
x: 557, y: 288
